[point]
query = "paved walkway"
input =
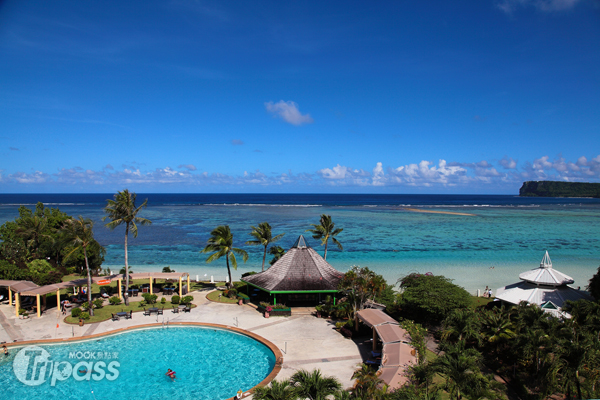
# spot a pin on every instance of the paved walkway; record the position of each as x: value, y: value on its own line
x: 307, y: 342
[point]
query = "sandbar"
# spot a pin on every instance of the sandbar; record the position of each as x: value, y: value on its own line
x: 437, y: 212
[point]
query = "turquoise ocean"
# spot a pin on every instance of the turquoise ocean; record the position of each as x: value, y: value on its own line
x: 503, y: 236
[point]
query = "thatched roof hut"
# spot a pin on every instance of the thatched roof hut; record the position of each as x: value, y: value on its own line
x: 301, y: 270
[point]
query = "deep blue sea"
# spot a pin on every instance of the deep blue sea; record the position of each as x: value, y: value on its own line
x: 504, y: 236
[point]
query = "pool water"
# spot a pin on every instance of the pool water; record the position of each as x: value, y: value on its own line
x: 210, y: 363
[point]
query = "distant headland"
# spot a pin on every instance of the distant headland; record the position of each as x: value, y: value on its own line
x: 559, y: 189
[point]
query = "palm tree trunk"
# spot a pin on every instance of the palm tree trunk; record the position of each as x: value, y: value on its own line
x: 264, y: 257
x: 230, y: 283
x: 125, y: 295
x: 89, y: 285
x: 325, y: 256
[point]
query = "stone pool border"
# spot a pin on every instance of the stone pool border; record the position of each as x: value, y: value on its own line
x: 278, y: 354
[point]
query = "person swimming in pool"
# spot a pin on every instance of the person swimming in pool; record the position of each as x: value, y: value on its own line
x: 171, y: 374
x: 5, y: 350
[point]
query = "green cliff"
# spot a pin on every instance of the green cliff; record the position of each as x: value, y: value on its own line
x: 559, y: 189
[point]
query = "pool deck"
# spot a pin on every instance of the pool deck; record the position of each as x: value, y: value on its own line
x: 306, y: 342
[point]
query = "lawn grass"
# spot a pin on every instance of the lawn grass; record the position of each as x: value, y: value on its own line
x: 214, y: 296
x: 480, y: 301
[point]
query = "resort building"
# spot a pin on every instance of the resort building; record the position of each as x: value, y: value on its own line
x: 543, y: 286
x: 301, y: 275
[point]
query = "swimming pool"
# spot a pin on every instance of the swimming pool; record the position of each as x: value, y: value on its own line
x: 210, y: 363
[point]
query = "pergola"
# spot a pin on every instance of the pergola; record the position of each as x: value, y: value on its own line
x: 27, y: 288
x: 397, y: 353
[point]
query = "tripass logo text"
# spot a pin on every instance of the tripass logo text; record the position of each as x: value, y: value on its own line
x: 32, y: 366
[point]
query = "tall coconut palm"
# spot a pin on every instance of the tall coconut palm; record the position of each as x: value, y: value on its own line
x: 220, y: 244
x: 277, y: 252
x: 313, y: 385
x: 283, y: 390
x: 78, y: 233
x: 123, y: 211
x: 263, y: 237
x: 325, y: 231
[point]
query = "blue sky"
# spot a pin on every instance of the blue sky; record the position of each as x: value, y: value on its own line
x: 367, y: 97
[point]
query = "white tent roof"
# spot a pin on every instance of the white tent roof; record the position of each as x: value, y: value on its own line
x: 534, y: 294
x: 546, y: 275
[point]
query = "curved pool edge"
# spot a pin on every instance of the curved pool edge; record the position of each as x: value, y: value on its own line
x: 276, y: 352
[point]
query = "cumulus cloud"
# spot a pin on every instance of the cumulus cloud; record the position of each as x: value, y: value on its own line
x: 237, y: 142
x: 508, y: 163
x: 461, y: 176
x: 509, y: 6
x: 289, y: 112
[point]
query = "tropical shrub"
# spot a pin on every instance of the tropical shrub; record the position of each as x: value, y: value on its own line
x: 187, y: 299
x: 76, y: 312
x: 231, y: 293
x: 430, y: 298
x: 163, y: 300
x: 98, y: 303
x: 150, y: 298
x: 175, y: 299
x: 84, y: 315
x: 85, y: 306
x: 115, y: 300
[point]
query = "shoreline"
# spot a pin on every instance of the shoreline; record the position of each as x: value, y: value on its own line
x: 437, y: 212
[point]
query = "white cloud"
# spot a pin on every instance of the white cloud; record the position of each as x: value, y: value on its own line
x: 508, y: 163
x: 237, y: 142
x: 463, y: 177
x: 289, y: 112
x: 378, y: 175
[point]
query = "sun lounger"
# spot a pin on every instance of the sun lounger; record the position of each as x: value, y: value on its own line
x: 130, y: 315
x: 146, y: 312
x: 115, y: 317
x: 187, y: 309
x: 176, y: 310
x: 160, y: 311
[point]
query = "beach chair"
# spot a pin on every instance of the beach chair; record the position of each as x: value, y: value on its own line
x: 176, y: 310
x: 130, y: 315
x: 115, y: 317
x: 146, y: 312
x: 187, y: 309
x: 160, y: 311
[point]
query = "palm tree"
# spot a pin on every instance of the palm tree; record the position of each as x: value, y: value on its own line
x: 277, y: 252
x: 460, y: 368
x: 367, y: 384
x: 263, y: 237
x: 313, y: 385
x: 283, y: 390
x: 325, y: 231
x: 32, y: 231
x: 461, y: 324
x: 122, y: 210
x: 78, y: 232
x: 221, y: 244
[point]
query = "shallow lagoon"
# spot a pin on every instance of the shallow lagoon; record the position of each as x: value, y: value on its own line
x: 505, y: 236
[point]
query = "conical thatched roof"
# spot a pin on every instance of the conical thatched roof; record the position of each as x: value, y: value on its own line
x: 300, y: 269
